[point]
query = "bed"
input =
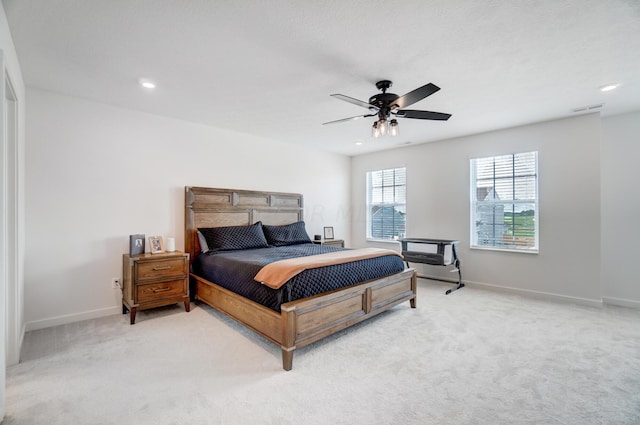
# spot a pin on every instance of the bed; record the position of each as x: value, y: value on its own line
x: 290, y: 322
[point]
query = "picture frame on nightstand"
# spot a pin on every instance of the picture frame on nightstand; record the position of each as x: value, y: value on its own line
x: 136, y: 244
x: 156, y: 246
x: 328, y: 232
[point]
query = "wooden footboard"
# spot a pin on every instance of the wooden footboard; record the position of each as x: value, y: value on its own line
x: 311, y: 319
x: 305, y: 321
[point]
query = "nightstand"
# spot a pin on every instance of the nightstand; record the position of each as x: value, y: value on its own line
x: 154, y: 280
x: 331, y: 242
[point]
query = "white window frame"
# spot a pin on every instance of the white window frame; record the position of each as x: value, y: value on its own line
x: 511, y: 202
x: 386, y: 203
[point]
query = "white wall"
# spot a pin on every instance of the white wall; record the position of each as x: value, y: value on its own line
x: 11, y: 206
x: 568, y: 264
x: 96, y: 174
x: 621, y: 209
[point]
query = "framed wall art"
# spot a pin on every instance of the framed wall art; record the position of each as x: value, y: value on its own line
x: 328, y: 232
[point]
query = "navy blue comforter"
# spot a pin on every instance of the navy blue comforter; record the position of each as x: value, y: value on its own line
x: 234, y: 270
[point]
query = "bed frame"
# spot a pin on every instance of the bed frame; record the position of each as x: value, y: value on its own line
x: 300, y: 322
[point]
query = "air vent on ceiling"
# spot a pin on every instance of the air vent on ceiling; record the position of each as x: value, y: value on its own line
x: 589, y: 108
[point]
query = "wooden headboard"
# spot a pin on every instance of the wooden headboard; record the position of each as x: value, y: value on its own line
x: 211, y: 207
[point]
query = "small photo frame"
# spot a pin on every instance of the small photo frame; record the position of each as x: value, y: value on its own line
x: 328, y: 232
x: 155, y: 244
x: 136, y: 244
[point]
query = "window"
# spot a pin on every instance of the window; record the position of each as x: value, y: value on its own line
x: 386, y: 203
x: 504, y: 202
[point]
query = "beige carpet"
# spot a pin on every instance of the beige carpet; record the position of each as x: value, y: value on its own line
x: 473, y: 357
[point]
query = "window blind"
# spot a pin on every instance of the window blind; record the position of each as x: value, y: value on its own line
x: 386, y: 203
x: 504, y: 202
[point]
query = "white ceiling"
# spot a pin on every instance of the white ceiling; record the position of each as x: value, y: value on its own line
x: 268, y: 67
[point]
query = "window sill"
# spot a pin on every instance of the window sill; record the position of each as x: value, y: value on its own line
x: 383, y: 241
x: 492, y: 248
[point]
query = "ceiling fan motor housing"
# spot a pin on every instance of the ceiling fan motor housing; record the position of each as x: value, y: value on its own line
x: 384, y: 102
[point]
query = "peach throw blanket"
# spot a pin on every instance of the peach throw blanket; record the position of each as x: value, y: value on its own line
x: 274, y: 275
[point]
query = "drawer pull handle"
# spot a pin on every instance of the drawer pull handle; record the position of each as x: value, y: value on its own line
x: 161, y: 268
x: 154, y: 290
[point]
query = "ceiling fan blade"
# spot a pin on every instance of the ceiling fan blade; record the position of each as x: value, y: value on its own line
x: 354, y: 101
x: 349, y: 119
x: 416, y: 95
x: 422, y: 115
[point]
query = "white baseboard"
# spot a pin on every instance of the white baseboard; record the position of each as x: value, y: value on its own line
x: 621, y: 302
x: 70, y: 318
x: 524, y: 292
x: 108, y: 311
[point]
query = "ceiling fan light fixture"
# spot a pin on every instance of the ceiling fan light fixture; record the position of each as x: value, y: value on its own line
x: 375, y: 131
x: 382, y: 126
x: 394, y: 130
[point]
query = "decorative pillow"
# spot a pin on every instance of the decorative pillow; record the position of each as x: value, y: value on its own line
x: 289, y: 234
x: 203, y: 242
x: 233, y: 238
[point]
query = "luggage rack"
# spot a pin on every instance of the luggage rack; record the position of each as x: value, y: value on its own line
x: 434, y: 259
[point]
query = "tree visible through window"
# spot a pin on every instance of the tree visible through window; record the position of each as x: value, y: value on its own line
x: 386, y: 203
x: 504, y: 202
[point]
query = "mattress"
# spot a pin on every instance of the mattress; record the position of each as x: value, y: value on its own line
x: 235, y: 270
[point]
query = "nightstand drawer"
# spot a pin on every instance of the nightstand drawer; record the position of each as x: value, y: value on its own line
x: 147, y: 270
x: 152, y: 291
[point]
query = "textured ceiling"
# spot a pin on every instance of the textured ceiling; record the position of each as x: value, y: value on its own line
x: 268, y: 67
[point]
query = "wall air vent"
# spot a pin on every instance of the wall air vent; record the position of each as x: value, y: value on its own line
x: 589, y: 108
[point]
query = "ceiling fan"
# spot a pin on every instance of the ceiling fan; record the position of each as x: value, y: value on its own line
x: 389, y: 106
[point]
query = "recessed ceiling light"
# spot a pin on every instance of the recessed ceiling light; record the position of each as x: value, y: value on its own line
x: 358, y: 142
x: 148, y: 84
x: 609, y: 87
